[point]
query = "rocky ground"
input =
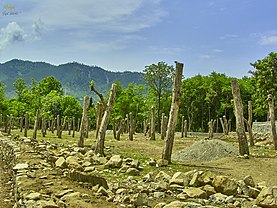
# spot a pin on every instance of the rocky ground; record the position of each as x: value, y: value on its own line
x: 51, y: 173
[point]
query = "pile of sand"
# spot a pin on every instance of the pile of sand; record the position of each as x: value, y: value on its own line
x: 206, y: 150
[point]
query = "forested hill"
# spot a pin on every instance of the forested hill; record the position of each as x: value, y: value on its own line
x: 75, y: 77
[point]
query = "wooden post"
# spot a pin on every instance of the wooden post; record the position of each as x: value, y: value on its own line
x: 43, y: 126
x: 270, y: 101
x: 1, y: 120
x: 98, y: 117
x: 10, y: 124
x: 152, y: 137
x: 87, y: 126
x: 84, y: 122
x: 120, y: 129
x: 186, y: 128
x: 145, y: 122
x: 36, y: 125
x: 73, y: 127
x: 59, y: 130
x: 127, y: 130
x: 21, y: 124
x: 69, y: 126
x: 211, y: 129
x: 26, y: 124
x: 249, y: 124
x: 131, y: 128
x: 99, y: 149
x: 240, y: 129
x: 173, y: 115
x: 182, y: 126
x: 163, y: 126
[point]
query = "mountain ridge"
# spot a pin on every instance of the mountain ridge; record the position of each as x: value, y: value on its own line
x: 74, y: 77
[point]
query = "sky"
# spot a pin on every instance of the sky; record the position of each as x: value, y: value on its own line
x: 126, y: 35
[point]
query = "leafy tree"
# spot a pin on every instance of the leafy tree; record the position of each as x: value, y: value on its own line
x: 3, y: 103
x: 159, y: 79
x: 20, y: 86
x: 265, y: 82
x: 46, y: 85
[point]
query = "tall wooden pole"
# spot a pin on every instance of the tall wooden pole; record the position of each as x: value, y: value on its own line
x: 153, y: 123
x: 173, y: 115
x: 240, y: 129
x: 84, y: 122
x: 270, y: 101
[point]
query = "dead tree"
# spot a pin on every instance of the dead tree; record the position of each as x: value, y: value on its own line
x: 120, y: 129
x: 69, y: 126
x: 186, y: 128
x: 131, y: 128
x: 26, y: 124
x: 173, y: 115
x: 99, y: 149
x: 249, y: 124
x: 182, y: 126
x: 145, y: 126
x: 270, y: 101
x: 73, y: 127
x: 84, y: 122
x: 224, y: 124
x: 163, y: 126
x: 59, y: 128
x: 211, y: 125
x: 78, y: 125
x: 36, y: 125
x: 43, y: 126
x: 153, y: 109
x: 21, y: 124
x: 240, y: 129
x: 10, y: 124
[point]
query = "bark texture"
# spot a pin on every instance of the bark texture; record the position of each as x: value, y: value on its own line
x: 270, y: 101
x: 84, y: 122
x: 173, y: 115
x: 152, y: 137
x: 240, y: 129
x: 99, y: 149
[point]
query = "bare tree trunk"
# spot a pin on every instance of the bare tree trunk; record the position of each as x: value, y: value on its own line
x: 36, y: 125
x: 105, y: 121
x: 87, y: 126
x: 145, y: 125
x: 211, y: 129
x: 73, y: 127
x: 240, y: 129
x: 84, y: 122
x: 270, y: 101
x: 153, y: 123
x: 10, y: 124
x: 120, y: 129
x: 1, y: 120
x: 127, y: 130
x: 163, y: 126
x: 173, y: 115
x: 249, y: 124
x: 59, y: 128
x: 186, y: 128
x: 182, y: 126
x: 78, y: 125
x: 26, y: 123
x: 69, y: 126
x: 114, y: 128
x: 43, y: 126
x: 131, y: 128
x: 98, y: 117
x: 21, y: 124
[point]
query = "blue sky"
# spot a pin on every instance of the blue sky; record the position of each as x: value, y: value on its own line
x: 118, y: 35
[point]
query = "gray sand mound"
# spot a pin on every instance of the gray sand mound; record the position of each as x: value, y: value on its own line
x: 206, y: 150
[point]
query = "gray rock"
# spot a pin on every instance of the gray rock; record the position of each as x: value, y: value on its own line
x: 114, y: 162
x: 89, y: 169
x: 162, y: 176
x: 71, y: 196
x: 21, y: 166
x: 195, y: 193
x: 48, y: 204
x: 61, y: 163
x: 225, y: 185
x: 61, y: 194
x: 177, y: 178
x: 218, y: 198
x: 33, y: 196
x: 175, y: 204
x: 133, y: 171
x: 140, y: 199
x: 249, y: 181
x: 135, y: 164
x: 267, y: 197
x: 209, y: 190
x: 102, y: 191
x: 159, y: 195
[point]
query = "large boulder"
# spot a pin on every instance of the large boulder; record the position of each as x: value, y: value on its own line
x: 267, y: 197
x: 225, y: 185
x: 114, y: 162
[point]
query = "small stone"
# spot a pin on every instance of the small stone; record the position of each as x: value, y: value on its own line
x: 114, y: 162
x: 152, y: 162
x: 249, y: 181
x: 61, y: 163
x: 48, y: 204
x: 33, y: 196
x: 102, y: 191
x: 135, y: 164
x: 21, y: 166
x: 160, y: 205
x: 140, y: 199
x: 182, y: 196
x: 133, y: 171
x: 195, y: 193
x: 174, y: 204
x: 159, y: 195
x: 61, y: 194
x: 162, y: 176
x: 70, y: 196
x: 89, y: 169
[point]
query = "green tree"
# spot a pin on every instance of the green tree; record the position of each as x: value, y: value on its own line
x: 46, y: 85
x: 3, y: 103
x: 159, y: 79
x: 20, y: 86
x: 265, y: 82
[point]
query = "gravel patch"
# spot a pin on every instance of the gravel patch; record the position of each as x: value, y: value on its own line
x: 206, y: 150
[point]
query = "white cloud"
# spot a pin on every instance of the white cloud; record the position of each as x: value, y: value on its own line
x: 215, y: 50
x: 205, y: 56
x: 10, y: 34
x: 268, y: 40
x: 98, y: 15
x: 228, y: 36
